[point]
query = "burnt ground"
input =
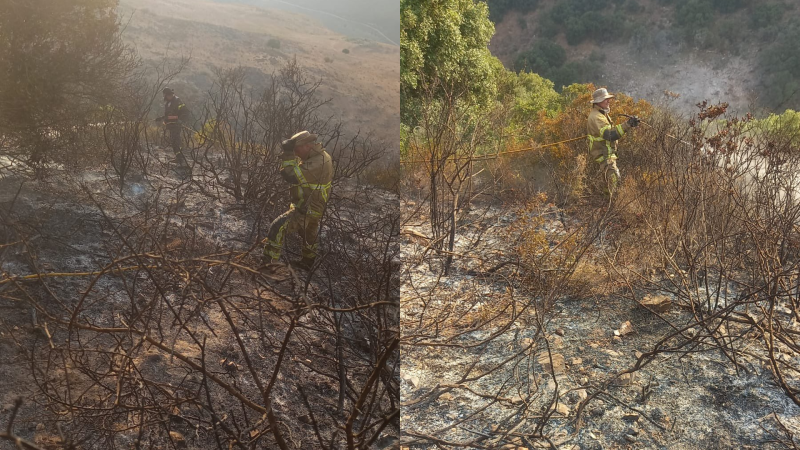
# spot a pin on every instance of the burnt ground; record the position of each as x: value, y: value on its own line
x: 473, y: 375
x: 80, y: 221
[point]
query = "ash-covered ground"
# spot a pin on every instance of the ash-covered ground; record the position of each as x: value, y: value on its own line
x: 176, y: 261
x: 488, y: 363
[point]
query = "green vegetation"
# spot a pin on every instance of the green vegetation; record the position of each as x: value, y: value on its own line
x: 62, y: 63
x: 550, y: 60
x: 728, y: 27
x: 499, y: 8
x: 598, y: 20
x: 781, y: 65
x: 274, y: 43
x: 346, y: 51
x: 443, y: 48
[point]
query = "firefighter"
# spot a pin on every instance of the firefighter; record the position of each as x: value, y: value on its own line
x: 308, y: 169
x: 175, y: 113
x: 603, y: 136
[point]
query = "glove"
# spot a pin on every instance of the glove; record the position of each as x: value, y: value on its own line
x: 633, y: 121
x: 288, y: 146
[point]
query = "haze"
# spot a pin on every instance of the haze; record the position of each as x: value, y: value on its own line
x: 377, y: 20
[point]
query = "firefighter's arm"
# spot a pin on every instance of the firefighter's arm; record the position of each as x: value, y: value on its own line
x: 289, y: 167
x: 614, y: 132
x: 183, y: 112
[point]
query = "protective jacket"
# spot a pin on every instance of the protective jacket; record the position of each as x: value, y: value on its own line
x: 603, y: 134
x: 310, y: 180
x: 175, y: 112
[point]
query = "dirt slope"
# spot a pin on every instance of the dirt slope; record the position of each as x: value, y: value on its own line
x: 363, y: 84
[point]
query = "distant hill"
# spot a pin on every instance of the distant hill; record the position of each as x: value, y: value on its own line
x: 377, y: 20
x: 362, y: 83
x: 743, y: 52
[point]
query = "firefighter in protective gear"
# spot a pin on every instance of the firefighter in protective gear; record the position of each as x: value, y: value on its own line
x: 603, y: 136
x: 175, y: 113
x: 308, y: 169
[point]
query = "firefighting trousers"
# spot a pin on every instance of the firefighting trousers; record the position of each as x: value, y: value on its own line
x: 607, y: 176
x: 175, y: 141
x: 289, y: 222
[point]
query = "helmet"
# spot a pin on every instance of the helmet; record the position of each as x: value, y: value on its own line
x: 167, y: 90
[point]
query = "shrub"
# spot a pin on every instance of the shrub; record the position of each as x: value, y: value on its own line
x: 693, y: 16
x: 781, y: 69
x: 274, y: 43
x: 499, y: 8
x: 63, y: 62
x: 762, y: 16
x: 542, y: 56
x: 345, y: 51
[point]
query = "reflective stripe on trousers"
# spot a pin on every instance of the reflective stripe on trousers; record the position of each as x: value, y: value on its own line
x: 306, y: 225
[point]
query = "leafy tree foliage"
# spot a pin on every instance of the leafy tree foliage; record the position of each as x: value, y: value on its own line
x: 446, y: 40
x: 60, y: 62
x: 528, y: 93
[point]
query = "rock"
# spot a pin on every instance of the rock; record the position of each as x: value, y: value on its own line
x: 177, y: 439
x: 306, y: 419
x: 412, y: 379
x: 446, y: 397
x: 560, y: 331
x: 39, y: 427
x: 575, y: 361
x: 582, y: 394
x: 657, y: 303
x: 526, y: 342
x: 617, y: 339
x: 557, y: 366
x: 630, y: 438
x: 626, y: 328
x: 562, y: 409
x: 626, y: 378
x: 387, y: 443
x: 631, y: 417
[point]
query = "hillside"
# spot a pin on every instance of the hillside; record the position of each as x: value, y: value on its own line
x: 362, y: 84
x: 367, y: 19
x: 731, y: 52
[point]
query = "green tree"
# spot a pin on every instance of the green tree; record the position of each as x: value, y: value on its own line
x: 528, y: 94
x: 60, y: 63
x: 446, y: 41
